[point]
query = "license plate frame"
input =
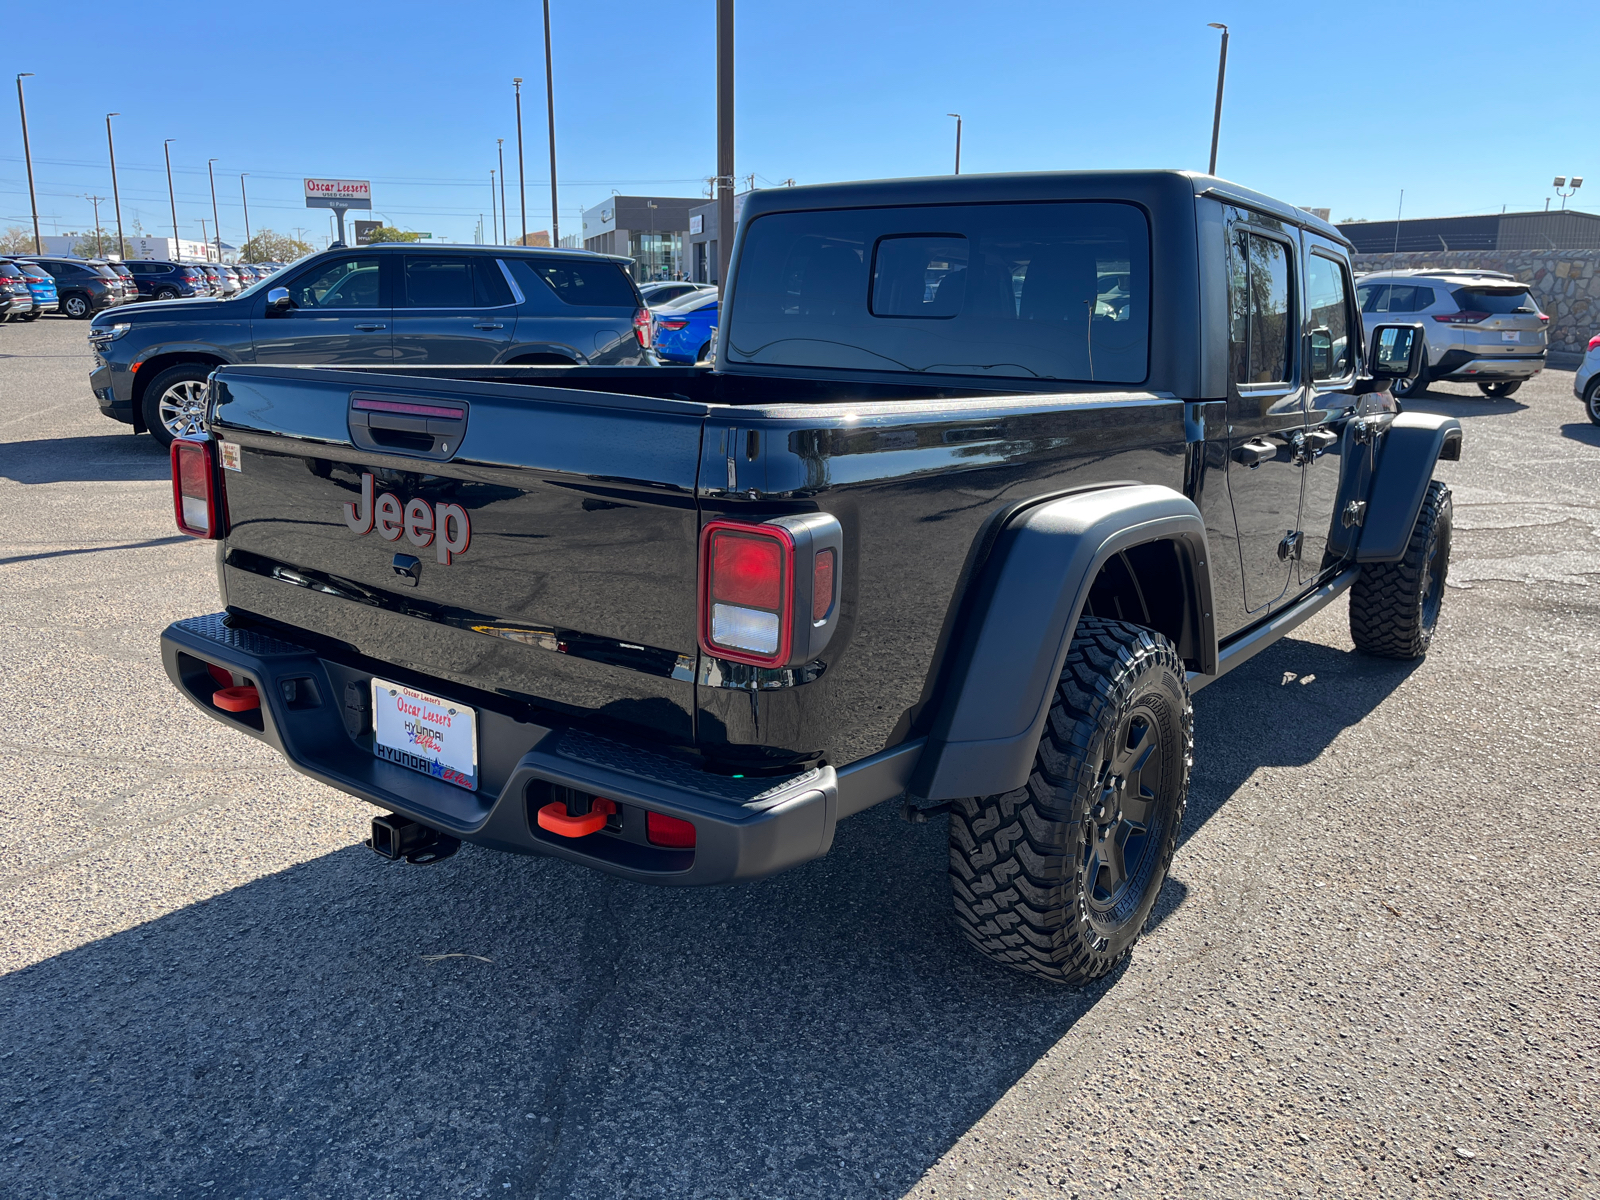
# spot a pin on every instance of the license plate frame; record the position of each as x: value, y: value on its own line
x: 431, y: 735
x: 1514, y: 335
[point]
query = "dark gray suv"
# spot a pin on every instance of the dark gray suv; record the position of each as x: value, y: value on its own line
x: 387, y: 305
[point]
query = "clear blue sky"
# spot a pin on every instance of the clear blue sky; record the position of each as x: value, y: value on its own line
x: 1468, y: 106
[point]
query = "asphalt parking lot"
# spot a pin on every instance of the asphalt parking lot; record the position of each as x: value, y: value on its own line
x: 1372, y: 972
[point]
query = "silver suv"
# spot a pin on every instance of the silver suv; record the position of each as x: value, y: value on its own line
x: 1479, y: 326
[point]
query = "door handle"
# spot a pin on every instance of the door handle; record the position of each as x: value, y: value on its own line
x: 488, y: 325
x: 371, y: 328
x: 1322, y: 440
x: 1254, y: 452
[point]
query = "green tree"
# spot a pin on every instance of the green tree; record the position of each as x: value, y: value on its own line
x: 267, y: 246
x: 388, y: 233
x: 17, y: 239
x: 95, y: 245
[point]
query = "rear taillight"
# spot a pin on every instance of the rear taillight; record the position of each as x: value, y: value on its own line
x: 196, y: 504
x: 1461, y: 318
x: 663, y: 830
x: 641, y: 327
x: 1594, y: 341
x: 1544, y: 318
x: 674, y: 325
x: 769, y: 592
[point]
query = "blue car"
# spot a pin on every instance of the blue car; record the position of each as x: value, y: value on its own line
x: 41, y: 284
x: 683, y: 328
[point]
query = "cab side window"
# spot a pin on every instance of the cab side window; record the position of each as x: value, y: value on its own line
x: 1328, y: 291
x: 1260, y: 309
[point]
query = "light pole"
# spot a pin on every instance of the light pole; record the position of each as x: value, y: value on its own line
x: 27, y: 154
x: 99, y: 245
x: 522, y: 190
x: 246, y: 200
x: 550, y: 107
x: 205, y: 241
x: 1222, y: 74
x: 216, y: 224
x: 1561, y: 182
x: 725, y: 182
x: 505, y: 221
x: 494, y: 213
x: 957, y: 116
x: 172, y: 197
x: 122, y: 248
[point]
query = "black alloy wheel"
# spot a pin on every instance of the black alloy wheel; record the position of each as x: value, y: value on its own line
x: 76, y: 306
x: 166, y: 293
x: 1500, y: 388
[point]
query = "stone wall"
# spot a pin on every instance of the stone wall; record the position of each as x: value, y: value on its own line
x: 1564, y: 282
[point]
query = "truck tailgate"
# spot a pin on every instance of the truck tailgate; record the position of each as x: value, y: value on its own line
x: 575, y: 589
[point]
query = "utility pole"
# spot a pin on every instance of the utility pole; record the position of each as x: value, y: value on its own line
x: 550, y: 107
x: 216, y: 222
x: 494, y: 215
x: 725, y: 180
x: 115, y: 198
x: 172, y: 197
x: 522, y: 187
x: 246, y: 200
x: 957, y: 116
x: 99, y: 243
x: 1398, y: 210
x: 1222, y: 74
x: 505, y: 223
x: 27, y: 153
x: 205, y: 241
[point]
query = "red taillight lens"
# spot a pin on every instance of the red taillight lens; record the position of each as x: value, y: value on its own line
x: 822, y: 585
x: 641, y: 327
x: 1594, y: 341
x: 1461, y: 318
x: 663, y: 830
x: 194, y: 497
x: 674, y: 325
x: 746, y: 609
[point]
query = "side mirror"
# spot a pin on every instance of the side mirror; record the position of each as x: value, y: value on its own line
x: 1394, y: 352
x: 278, y: 299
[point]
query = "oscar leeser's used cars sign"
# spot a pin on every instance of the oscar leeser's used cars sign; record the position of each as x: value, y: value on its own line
x: 338, y: 193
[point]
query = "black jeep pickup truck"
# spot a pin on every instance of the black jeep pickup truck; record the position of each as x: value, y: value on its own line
x: 991, y: 474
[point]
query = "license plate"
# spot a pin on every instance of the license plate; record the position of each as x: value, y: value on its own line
x: 430, y: 734
x: 1513, y: 336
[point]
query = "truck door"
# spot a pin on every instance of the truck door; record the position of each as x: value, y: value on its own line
x: 453, y: 309
x: 1266, y: 407
x: 1332, y: 355
x: 338, y: 314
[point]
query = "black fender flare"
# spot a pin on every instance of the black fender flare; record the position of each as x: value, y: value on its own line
x: 1412, y: 444
x: 1028, y: 598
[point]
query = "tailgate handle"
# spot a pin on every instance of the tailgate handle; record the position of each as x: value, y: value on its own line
x: 417, y: 428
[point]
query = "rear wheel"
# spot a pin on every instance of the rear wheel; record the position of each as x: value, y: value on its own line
x: 1591, y: 400
x: 703, y: 353
x: 175, y: 402
x: 1500, y: 388
x: 166, y: 293
x: 1394, y: 607
x: 33, y: 316
x: 76, y: 307
x: 1057, y: 878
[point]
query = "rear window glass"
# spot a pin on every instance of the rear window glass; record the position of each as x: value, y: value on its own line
x: 9, y: 271
x: 1471, y: 300
x: 586, y: 282
x: 1030, y: 291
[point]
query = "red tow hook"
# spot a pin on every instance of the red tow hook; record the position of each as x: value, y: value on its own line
x: 558, y: 820
x: 236, y: 699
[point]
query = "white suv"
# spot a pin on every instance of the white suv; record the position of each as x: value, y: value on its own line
x: 1478, y: 326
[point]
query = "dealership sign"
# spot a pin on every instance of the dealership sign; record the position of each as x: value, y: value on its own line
x: 338, y: 193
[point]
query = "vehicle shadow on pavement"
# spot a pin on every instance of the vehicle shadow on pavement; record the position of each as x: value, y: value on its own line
x: 1462, y: 405
x: 114, y: 457
x: 823, y: 1033
x: 1586, y: 432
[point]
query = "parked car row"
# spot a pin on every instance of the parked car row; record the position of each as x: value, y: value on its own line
x: 683, y: 326
x: 81, y: 287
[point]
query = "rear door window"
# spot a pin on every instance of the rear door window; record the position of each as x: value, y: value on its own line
x: 1260, y: 308
x: 1024, y: 290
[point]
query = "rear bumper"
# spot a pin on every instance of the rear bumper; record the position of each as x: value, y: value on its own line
x: 745, y: 828
x: 1463, y: 365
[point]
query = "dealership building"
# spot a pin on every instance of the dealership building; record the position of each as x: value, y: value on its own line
x: 648, y: 229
